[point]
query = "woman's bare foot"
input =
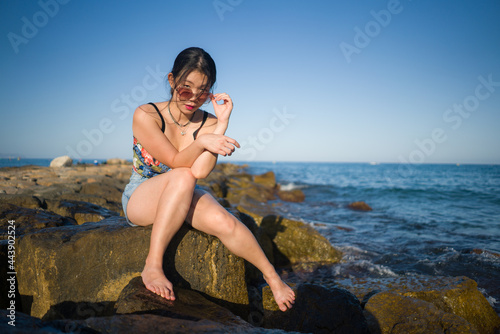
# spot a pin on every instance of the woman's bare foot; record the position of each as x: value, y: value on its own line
x: 283, y: 294
x: 154, y: 279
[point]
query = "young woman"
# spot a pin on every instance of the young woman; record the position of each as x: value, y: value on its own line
x: 176, y: 143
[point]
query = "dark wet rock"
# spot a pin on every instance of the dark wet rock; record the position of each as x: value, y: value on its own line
x: 103, y: 190
x: 124, y: 323
x: 152, y: 323
x: 389, y: 312
x: 80, y: 211
x: 359, y: 206
x: 135, y: 298
x: 28, y: 220
x: 24, y: 324
x: 486, y: 252
x: 25, y: 201
x: 79, y: 310
x: 296, y: 242
x: 316, y: 310
x: 92, y: 199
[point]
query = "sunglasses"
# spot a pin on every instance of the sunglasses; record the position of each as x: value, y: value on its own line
x: 186, y: 93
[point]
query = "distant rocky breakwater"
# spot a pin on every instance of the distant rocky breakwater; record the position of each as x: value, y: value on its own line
x: 78, y: 266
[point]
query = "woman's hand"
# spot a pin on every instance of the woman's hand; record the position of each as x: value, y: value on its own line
x: 222, y: 111
x: 218, y: 144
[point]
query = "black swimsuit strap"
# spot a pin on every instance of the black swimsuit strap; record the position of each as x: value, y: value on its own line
x: 205, y: 116
x: 162, y: 120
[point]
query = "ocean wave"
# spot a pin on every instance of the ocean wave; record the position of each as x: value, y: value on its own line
x: 362, y: 268
x: 292, y: 186
x: 493, y: 301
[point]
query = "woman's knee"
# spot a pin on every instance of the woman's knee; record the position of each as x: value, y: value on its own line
x: 183, y: 178
x: 224, y: 223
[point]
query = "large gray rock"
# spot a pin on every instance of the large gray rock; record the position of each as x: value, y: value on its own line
x: 391, y: 313
x: 93, y: 262
x: 457, y: 296
x: 296, y: 242
x: 63, y: 161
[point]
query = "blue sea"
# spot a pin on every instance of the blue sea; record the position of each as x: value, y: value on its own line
x: 18, y: 162
x: 440, y: 220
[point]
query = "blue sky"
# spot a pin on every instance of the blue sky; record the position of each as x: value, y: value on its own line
x: 337, y: 81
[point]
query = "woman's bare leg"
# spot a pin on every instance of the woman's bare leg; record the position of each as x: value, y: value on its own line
x: 163, y: 201
x: 207, y: 215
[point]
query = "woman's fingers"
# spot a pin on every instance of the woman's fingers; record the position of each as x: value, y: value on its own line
x: 219, y: 144
x: 229, y: 145
x: 233, y: 141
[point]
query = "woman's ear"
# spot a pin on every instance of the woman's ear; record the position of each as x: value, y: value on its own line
x: 171, y: 80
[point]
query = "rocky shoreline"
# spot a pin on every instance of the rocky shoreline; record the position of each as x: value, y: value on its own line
x: 78, y: 265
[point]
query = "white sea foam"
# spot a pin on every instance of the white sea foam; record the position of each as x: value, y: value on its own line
x: 376, y: 268
x: 362, y: 268
x: 490, y: 299
x: 291, y: 186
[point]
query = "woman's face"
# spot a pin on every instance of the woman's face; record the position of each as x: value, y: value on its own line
x: 190, y: 94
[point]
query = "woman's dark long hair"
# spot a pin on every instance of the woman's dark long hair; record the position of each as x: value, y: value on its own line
x: 193, y: 59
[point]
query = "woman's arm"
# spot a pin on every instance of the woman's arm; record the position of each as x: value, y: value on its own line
x: 148, y: 133
x: 205, y: 163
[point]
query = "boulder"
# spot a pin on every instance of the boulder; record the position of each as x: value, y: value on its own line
x: 392, y: 313
x: 267, y: 179
x: 93, y: 262
x: 294, y: 195
x: 359, y: 206
x: 296, y: 242
x: 254, y: 208
x: 316, y: 310
x: 135, y: 298
x: 63, y: 161
x: 239, y: 187
x: 454, y: 295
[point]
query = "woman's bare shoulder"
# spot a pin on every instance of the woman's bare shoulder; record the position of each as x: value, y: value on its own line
x: 211, y: 119
x: 146, y: 115
x: 148, y: 110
